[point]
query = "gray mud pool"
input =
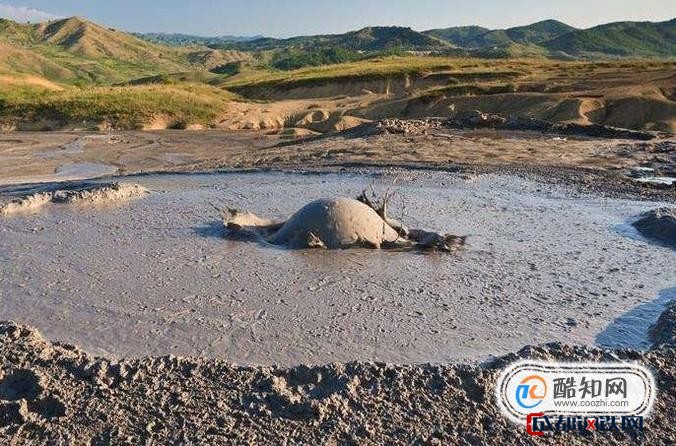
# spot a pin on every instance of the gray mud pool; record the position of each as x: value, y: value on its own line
x: 157, y: 276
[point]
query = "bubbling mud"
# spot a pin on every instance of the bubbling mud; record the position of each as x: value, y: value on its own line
x: 337, y: 223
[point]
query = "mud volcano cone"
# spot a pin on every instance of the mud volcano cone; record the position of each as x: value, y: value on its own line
x: 335, y: 223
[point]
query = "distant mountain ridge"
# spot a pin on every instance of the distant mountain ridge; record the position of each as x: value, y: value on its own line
x: 556, y: 39
x: 478, y: 37
x: 621, y: 39
x: 75, y: 50
x: 373, y: 38
x: 178, y: 39
x: 546, y: 38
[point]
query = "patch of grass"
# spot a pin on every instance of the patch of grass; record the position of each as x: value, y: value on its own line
x: 100, y: 70
x: 129, y: 107
x: 462, y: 70
x: 368, y: 69
x: 190, y: 77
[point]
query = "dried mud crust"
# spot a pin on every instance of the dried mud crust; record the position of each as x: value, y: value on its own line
x: 56, y: 394
x: 81, y: 193
x: 410, y: 144
x: 480, y: 150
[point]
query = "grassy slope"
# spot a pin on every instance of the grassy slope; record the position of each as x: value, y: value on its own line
x: 83, y: 59
x: 73, y: 50
x: 77, y: 51
x: 116, y: 107
x: 623, y: 39
x: 202, y: 98
x: 371, y: 68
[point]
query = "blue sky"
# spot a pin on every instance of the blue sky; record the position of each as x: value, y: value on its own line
x: 288, y: 18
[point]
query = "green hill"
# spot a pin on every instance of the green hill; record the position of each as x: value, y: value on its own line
x: 87, y: 39
x: 460, y: 36
x: 377, y: 38
x: 538, y: 32
x: 622, y: 39
x: 303, y: 51
x: 556, y: 39
x: 177, y: 39
x: 477, y: 37
x: 75, y: 50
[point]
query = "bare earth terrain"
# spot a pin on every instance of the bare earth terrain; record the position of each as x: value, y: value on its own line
x: 56, y: 394
x: 59, y: 156
x: 328, y: 240
x: 551, y: 257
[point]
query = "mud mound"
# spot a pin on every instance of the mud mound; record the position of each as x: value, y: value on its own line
x: 27, y: 203
x: 337, y: 223
x: 664, y: 330
x: 68, y: 394
x: 332, y: 223
x: 649, y: 110
x: 659, y: 225
x: 324, y: 121
x: 342, y: 123
x: 90, y: 194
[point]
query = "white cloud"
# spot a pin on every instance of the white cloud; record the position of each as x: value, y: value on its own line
x: 25, y: 14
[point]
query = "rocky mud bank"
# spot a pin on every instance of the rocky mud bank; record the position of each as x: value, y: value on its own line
x: 659, y: 225
x: 475, y: 119
x: 54, y: 393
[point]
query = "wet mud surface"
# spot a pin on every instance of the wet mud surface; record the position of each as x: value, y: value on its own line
x: 156, y: 276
